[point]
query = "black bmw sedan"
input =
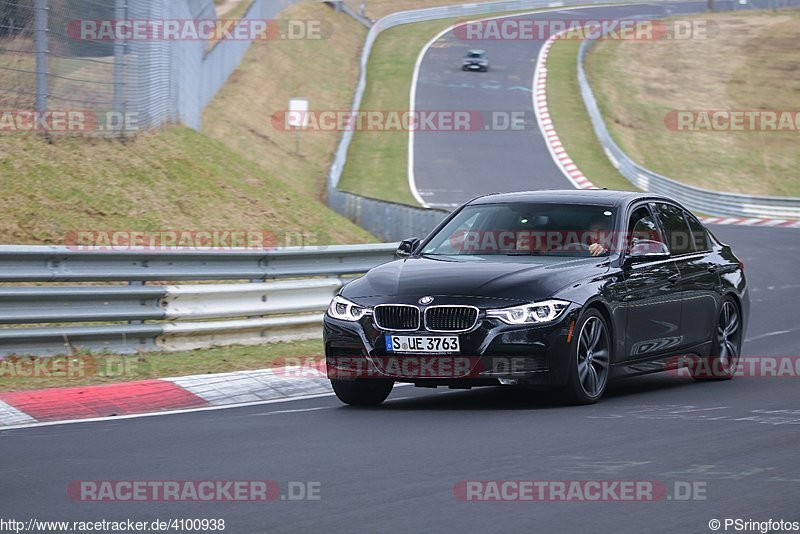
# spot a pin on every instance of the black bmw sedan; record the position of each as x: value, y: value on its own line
x: 555, y: 289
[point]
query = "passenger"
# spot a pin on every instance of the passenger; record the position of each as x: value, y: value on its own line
x: 598, y: 234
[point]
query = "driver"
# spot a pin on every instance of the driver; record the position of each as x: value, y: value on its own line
x: 598, y: 229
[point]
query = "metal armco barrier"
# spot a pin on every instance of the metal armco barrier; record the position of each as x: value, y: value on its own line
x: 697, y: 199
x: 386, y: 220
x: 281, y: 302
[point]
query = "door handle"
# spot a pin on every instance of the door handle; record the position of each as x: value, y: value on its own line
x: 674, y: 278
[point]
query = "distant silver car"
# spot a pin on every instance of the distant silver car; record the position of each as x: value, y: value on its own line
x: 476, y: 60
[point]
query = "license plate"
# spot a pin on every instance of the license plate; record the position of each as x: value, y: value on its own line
x: 423, y: 344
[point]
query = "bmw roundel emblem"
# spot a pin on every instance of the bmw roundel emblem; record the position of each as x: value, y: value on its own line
x: 425, y: 300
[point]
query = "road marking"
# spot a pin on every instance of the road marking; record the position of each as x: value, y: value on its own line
x: 769, y: 334
x: 300, y: 410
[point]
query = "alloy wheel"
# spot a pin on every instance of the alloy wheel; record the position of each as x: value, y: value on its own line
x: 593, y: 357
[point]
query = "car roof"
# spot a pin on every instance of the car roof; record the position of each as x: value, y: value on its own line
x: 476, y: 51
x: 570, y: 196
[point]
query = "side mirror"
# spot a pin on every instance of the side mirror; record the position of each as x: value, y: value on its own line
x: 646, y: 250
x: 407, y: 247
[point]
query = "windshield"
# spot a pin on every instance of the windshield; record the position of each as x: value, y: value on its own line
x: 526, y: 229
x: 476, y: 55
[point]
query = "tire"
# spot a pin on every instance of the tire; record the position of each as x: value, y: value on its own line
x: 362, y: 392
x: 726, y: 346
x: 589, y: 359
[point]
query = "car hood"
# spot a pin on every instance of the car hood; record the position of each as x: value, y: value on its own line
x: 508, y: 280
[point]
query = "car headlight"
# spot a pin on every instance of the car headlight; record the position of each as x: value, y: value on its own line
x: 533, y: 313
x: 343, y: 309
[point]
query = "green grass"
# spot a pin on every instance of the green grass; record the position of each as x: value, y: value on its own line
x: 175, y: 179
x: 324, y: 71
x: 239, y: 11
x: 106, y: 369
x: 746, y: 66
x: 239, y: 173
x: 571, y: 120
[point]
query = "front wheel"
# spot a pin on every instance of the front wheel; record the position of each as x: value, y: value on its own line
x: 362, y: 392
x: 725, y: 348
x: 590, y: 359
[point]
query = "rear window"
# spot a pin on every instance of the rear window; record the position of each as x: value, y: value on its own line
x: 699, y: 234
x: 673, y: 221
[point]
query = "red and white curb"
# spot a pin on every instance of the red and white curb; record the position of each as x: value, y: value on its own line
x: 69, y: 404
x: 554, y: 145
x: 772, y: 223
x: 571, y: 170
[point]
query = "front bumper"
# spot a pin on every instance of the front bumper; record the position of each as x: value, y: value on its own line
x: 492, y: 353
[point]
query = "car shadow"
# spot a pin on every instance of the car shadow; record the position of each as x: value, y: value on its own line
x: 512, y: 398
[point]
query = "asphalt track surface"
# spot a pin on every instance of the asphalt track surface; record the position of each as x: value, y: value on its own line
x: 394, y: 468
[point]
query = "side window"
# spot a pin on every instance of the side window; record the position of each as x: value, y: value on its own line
x: 679, y: 239
x: 644, y: 236
x: 699, y: 234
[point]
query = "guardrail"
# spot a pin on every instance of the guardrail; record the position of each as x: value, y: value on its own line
x: 694, y: 198
x: 275, y: 305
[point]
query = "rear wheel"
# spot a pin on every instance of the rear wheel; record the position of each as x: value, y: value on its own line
x: 726, y: 347
x: 590, y: 359
x: 362, y: 392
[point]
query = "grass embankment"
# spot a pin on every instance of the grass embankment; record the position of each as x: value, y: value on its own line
x: 232, y: 9
x: 175, y: 179
x: 238, y: 173
x: 751, y: 64
x: 323, y: 70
